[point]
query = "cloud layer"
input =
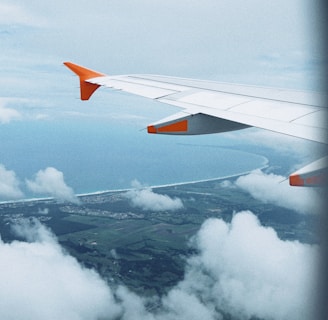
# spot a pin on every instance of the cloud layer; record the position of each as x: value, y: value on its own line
x: 50, y: 181
x: 39, y: 281
x: 241, y: 269
x: 9, y: 184
x: 274, y: 189
x: 146, y: 199
x: 7, y: 114
x: 13, y: 14
x: 244, y: 269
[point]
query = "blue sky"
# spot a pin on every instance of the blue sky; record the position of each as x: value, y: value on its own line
x: 272, y: 44
x: 209, y: 39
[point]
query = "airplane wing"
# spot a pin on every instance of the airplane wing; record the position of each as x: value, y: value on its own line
x: 213, y: 107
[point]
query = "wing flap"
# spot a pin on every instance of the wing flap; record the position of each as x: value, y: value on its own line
x: 303, y: 131
x: 282, y: 111
x: 277, y: 94
x: 210, y: 99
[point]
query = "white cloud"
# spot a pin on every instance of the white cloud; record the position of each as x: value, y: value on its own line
x: 227, y: 184
x: 51, y: 182
x: 23, y: 108
x: 274, y: 189
x: 43, y: 211
x: 13, y: 14
x: 9, y: 184
x: 39, y: 281
x: 245, y: 270
x: 185, y: 305
x: 28, y: 109
x: 241, y: 269
x: 41, y: 116
x: 146, y: 199
x: 7, y: 114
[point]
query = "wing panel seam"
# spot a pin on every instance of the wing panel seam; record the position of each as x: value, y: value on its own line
x: 237, y: 94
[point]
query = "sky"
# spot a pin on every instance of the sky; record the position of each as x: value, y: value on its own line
x: 209, y: 40
x: 266, y: 43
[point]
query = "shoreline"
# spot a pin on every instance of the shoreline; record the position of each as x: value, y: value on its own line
x: 81, y: 195
x: 265, y: 165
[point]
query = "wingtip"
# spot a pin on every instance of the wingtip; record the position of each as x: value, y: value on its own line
x: 82, y: 72
x: 86, y: 88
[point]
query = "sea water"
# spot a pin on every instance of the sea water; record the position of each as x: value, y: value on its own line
x: 97, y: 155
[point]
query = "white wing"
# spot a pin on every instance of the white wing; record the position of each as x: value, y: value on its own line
x: 212, y: 107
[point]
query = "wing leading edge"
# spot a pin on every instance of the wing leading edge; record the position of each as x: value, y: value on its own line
x: 213, y: 107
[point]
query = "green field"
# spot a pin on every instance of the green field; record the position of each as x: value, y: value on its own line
x: 146, y: 250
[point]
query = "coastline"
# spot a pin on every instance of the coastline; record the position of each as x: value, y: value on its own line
x: 199, y: 181
x: 100, y: 192
x: 265, y: 165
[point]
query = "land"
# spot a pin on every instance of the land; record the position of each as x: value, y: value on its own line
x: 146, y: 250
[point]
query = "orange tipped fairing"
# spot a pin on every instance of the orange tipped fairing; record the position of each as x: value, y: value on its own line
x: 312, y: 175
x: 176, y: 127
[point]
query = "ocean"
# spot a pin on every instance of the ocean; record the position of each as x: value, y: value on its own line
x: 100, y: 155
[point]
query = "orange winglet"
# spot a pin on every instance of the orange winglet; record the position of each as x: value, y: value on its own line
x: 86, y: 88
